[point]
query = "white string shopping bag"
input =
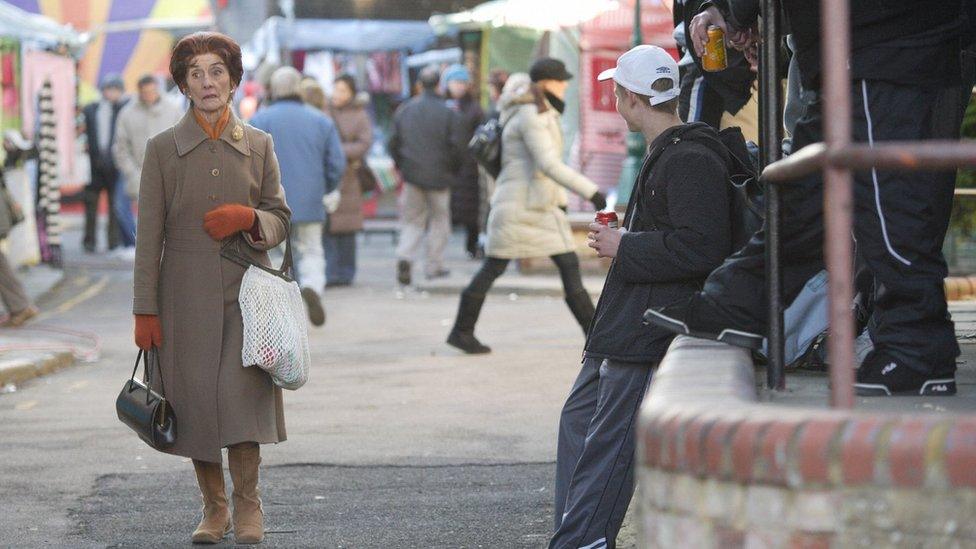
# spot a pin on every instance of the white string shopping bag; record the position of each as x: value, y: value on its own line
x: 275, y: 332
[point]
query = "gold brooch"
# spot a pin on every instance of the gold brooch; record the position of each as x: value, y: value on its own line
x: 238, y: 133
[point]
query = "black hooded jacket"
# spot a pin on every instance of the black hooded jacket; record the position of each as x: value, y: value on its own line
x: 679, y: 230
x: 914, y: 42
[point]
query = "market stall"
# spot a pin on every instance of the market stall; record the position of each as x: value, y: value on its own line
x: 510, y: 34
x: 374, y: 52
x: 127, y: 37
x: 601, y: 140
x: 38, y: 83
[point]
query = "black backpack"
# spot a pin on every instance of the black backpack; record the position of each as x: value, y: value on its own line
x: 747, y: 193
x: 746, y: 200
x: 486, y: 146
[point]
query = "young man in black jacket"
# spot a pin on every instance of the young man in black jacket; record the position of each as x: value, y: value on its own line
x: 905, y: 80
x: 677, y: 229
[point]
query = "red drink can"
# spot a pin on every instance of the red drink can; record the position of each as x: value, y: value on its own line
x: 608, y: 218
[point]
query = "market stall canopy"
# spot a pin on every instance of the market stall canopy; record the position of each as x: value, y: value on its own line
x: 533, y: 14
x: 414, y: 10
x: 127, y: 37
x: 32, y: 28
x: 435, y: 57
x: 340, y: 35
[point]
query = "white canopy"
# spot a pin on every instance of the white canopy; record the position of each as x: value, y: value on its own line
x: 534, y: 14
x: 32, y: 28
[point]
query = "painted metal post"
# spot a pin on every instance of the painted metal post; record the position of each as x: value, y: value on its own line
x: 771, y: 131
x: 838, y: 198
x: 635, y: 140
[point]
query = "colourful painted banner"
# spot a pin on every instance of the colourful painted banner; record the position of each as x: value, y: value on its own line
x: 128, y: 53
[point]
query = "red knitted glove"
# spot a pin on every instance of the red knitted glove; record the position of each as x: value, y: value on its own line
x: 149, y: 332
x: 228, y: 219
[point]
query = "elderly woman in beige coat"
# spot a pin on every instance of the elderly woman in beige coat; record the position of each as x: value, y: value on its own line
x: 528, y: 209
x: 208, y: 180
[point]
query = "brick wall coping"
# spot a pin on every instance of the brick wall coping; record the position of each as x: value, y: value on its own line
x: 702, y: 417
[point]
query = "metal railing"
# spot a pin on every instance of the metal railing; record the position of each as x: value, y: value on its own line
x: 837, y: 157
x: 771, y: 150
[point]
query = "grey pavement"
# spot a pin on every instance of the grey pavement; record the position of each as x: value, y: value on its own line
x: 26, y: 353
x: 396, y: 441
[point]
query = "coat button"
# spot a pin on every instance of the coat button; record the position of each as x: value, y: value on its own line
x: 215, y: 172
x: 213, y: 148
x: 213, y: 198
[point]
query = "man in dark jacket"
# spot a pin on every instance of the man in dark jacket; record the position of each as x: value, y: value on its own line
x: 426, y: 146
x: 707, y: 96
x: 904, y: 65
x: 100, y: 119
x: 678, y: 229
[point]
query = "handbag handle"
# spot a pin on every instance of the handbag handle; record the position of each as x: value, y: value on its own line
x: 144, y: 357
x: 234, y: 254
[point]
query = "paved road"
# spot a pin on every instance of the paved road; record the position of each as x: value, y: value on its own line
x: 396, y: 441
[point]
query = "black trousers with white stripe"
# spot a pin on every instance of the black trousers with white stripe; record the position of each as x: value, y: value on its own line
x: 699, y: 102
x: 900, y: 222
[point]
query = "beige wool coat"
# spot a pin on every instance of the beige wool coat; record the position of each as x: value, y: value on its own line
x: 356, y: 134
x: 526, y: 217
x: 180, y: 276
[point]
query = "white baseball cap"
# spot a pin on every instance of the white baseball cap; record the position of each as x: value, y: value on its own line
x: 640, y: 67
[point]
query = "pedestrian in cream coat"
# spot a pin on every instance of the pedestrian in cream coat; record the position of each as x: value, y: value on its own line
x: 528, y: 217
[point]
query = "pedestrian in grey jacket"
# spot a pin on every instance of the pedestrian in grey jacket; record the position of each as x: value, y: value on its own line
x: 139, y: 120
x: 427, y: 146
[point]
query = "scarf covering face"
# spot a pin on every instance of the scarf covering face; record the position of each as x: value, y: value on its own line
x: 215, y: 130
x: 556, y: 102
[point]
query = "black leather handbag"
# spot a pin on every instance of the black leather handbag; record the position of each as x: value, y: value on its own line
x: 144, y: 410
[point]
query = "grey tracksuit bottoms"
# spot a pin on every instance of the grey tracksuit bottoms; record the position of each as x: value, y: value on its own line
x: 595, y: 455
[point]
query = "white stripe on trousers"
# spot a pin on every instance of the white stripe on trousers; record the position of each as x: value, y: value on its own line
x: 695, y: 100
x: 874, y: 178
x: 598, y: 544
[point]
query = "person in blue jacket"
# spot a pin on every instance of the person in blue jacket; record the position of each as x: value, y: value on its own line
x: 312, y: 163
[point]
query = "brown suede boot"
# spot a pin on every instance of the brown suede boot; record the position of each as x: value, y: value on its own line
x: 243, y: 460
x: 215, y: 523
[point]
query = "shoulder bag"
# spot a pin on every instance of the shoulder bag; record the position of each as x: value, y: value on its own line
x: 275, y: 329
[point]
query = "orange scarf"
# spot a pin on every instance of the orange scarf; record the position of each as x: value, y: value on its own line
x: 213, y: 131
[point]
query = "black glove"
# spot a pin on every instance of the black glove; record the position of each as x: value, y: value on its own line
x: 599, y: 201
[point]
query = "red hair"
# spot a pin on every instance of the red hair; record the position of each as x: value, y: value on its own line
x: 200, y: 43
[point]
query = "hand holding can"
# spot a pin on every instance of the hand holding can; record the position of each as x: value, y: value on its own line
x: 608, y: 218
x: 714, y: 59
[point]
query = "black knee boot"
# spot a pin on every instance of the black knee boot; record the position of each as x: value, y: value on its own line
x: 582, y: 307
x: 462, y: 335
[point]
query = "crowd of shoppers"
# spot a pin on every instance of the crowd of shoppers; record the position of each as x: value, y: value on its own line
x: 214, y: 179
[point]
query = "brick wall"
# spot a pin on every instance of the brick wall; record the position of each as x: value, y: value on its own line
x: 717, y: 468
